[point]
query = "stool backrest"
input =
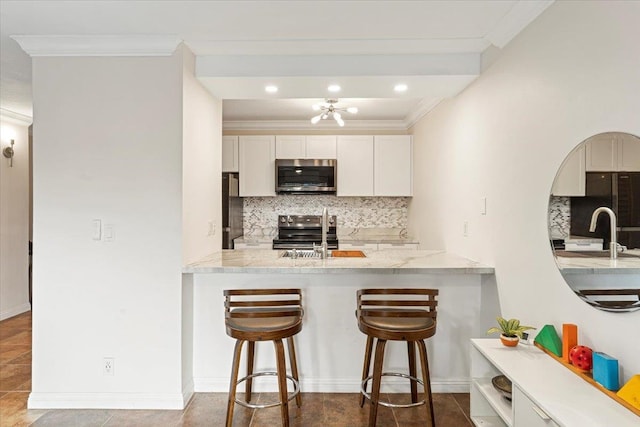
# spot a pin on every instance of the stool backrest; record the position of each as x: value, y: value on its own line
x: 397, y: 302
x: 262, y: 302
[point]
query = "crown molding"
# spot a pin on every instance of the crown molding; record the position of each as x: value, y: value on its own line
x: 99, y: 45
x: 421, y: 110
x: 15, y: 118
x: 307, y: 125
x: 520, y: 15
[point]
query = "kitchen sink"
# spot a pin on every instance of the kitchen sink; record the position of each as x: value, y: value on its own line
x: 309, y: 253
x: 301, y: 253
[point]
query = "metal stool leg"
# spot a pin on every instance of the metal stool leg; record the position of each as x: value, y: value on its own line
x: 234, y: 378
x: 282, y: 382
x: 250, y: 357
x: 377, y: 379
x: 367, y: 364
x: 411, y: 349
x: 294, y: 366
x: 427, y: 382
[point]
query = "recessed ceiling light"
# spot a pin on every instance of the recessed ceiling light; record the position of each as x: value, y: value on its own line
x: 333, y: 88
x: 401, y: 87
x: 271, y: 88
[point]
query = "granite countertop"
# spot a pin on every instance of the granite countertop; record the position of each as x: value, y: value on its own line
x: 381, y: 262
x: 598, y: 265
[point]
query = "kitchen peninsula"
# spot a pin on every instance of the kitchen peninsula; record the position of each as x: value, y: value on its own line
x: 330, y: 347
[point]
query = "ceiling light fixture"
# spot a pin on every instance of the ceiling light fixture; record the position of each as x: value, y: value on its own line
x: 271, y: 89
x: 333, y: 88
x: 328, y: 109
x: 401, y: 87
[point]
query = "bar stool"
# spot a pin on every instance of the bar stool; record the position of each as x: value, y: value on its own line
x: 253, y: 315
x: 396, y: 315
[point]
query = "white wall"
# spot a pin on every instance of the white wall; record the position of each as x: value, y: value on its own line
x: 107, y: 145
x: 14, y: 221
x: 202, y: 166
x: 571, y: 74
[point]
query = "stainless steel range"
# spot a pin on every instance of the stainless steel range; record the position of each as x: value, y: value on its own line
x: 304, y: 231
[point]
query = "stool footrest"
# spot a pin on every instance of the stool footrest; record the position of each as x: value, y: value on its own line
x: 294, y: 393
x: 363, y: 390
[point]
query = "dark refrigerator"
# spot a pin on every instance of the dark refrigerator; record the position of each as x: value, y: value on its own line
x: 231, y: 210
x: 619, y: 191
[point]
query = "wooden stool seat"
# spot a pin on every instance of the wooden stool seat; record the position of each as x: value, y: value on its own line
x: 396, y: 315
x: 253, y: 315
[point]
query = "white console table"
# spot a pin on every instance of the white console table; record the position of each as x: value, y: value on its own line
x: 545, y: 393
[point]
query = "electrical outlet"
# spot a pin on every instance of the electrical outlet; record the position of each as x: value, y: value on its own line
x: 108, y: 366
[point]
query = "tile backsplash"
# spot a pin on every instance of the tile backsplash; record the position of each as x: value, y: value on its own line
x: 559, y: 216
x: 353, y: 213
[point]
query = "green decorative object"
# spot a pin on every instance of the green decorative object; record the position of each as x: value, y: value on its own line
x: 549, y: 339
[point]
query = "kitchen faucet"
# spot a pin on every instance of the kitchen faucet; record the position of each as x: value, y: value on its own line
x: 613, y: 245
x: 325, y: 226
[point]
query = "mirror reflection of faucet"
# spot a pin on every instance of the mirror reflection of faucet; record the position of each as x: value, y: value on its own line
x: 613, y: 245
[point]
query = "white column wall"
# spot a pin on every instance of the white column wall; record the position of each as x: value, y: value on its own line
x: 571, y: 74
x: 202, y: 165
x: 107, y: 145
x: 14, y: 221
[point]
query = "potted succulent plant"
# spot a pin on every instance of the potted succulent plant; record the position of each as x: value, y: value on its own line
x: 510, y: 331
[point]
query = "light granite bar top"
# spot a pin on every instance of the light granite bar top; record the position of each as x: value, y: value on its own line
x: 589, y: 265
x: 379, y: 262
x: 393, y: 239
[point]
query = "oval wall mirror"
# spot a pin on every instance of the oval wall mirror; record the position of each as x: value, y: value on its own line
x: 594, y: 221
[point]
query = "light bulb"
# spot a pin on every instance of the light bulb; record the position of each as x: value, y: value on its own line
x: 271, y: 89
x: 324, y: 116
x: 315, y: 107
x: 401, y: 87
x: 352, y: 110
x: 338, y: 118
x: 316, y: 119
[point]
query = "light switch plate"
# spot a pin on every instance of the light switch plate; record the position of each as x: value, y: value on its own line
x: 96, y: 227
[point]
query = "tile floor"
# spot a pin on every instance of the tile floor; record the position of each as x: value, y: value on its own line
x: 205, y: 409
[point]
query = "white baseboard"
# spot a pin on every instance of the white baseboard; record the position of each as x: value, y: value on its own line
x: 187, y: 392
x: 315, y: 385
x: 107, y: 401
x: 15, y: 311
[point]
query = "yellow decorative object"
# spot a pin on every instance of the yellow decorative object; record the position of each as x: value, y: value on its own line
x: 630, y: 392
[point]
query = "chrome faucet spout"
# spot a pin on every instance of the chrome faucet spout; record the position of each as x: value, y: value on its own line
x: 613, y: 245
x: 324, y: 253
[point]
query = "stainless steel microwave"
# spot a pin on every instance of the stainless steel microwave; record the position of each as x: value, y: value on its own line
x: 305, y: 176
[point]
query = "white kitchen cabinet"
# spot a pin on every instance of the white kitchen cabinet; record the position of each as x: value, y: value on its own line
x: 321, y: 146
x: 290, y: 147
x: 571, y: 177
x: 393, y: 165
x: 229, y: 154
x: 545, y: 393
x: 628, y: 153
x: 612, y: 152
x: 256, y: 165
x: 306, y: 147
x: 355, y: 165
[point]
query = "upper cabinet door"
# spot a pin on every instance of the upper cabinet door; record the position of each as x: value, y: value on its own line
x: 229, y: 154
x: 355, y: 165
x: 571, y: 177
x: 628, y: 153
x: 602, y: 153
x: 290, y: 147
x: 321, y: 147
x: 257, y: 156
x: 393, y: 170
